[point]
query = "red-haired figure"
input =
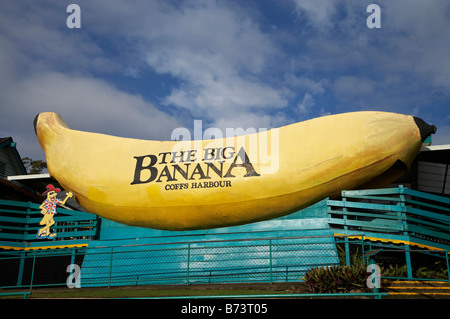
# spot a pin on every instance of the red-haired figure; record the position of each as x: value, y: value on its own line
x: 48, y: 209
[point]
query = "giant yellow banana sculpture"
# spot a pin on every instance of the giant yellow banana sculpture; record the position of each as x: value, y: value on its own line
x: 235, y: 180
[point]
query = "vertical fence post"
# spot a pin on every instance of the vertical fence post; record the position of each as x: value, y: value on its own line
x: 347, y: 250
x: 408, y: 262
x: 362, y: 246
x: 270, y: 259
x: 21, y: 266
x: 33, y: 270
x: 110, y: 267
x: 27, y: 222
x: 346, y: 245
x: 72, y: 262
x: 188, y: 262
x: 366, y: 261
x: 448, y: 267
x: 402, y: 221
x: 72, y: 258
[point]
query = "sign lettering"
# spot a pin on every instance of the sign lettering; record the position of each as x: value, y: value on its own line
x: 184, y: 167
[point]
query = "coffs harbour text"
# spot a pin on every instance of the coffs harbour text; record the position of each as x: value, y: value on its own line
x: 192, y: 169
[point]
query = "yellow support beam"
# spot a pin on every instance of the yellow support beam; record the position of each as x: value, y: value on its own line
x: 43, y: 247
x: 386, y: 240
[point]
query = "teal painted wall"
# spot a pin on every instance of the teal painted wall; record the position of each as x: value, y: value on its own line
x: 313, y: 217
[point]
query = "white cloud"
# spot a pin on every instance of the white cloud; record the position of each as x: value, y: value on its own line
x: 306, y: 104
x: 38, y: 32
x: 305, y: 83
x: 84, y: 104
x: 45, y: 68
x: 217, y: 53
x: 318, y: 13
x: 219, y: 61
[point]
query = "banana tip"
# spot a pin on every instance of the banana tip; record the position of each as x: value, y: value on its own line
x: 424, y: 128
x: 35, y: 123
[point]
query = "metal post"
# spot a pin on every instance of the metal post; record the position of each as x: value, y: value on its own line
x: 375, y: 287
x: 270, y: 259
x: 403, y: 222
x: 33, y: 269
x: 347, y: 246
x: 287, y: 273
x: 448, y: 267
x: 72, y: 262
x: 21, y: 266
x: 23, y: 254
x: 72, y: 259
x: 188, y: 262
x: 347, y: 250
x: 110, y: 267
x: 408, y: 262
x: 27, y: 222
x: 362, y: 246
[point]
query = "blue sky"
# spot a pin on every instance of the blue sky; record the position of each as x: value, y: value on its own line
x: 143, y: 68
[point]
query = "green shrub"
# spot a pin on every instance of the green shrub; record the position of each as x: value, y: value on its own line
x: 436, y: 271
x: 355, y: 256
x: 394, y: 271
x: 332, y: 279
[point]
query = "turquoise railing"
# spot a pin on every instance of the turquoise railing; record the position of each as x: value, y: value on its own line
x: 282, y: 259
x: 393, y: 214
x: 274, y: 260
x: 395, y: 219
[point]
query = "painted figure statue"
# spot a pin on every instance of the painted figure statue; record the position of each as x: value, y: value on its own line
x: 48, y: 209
